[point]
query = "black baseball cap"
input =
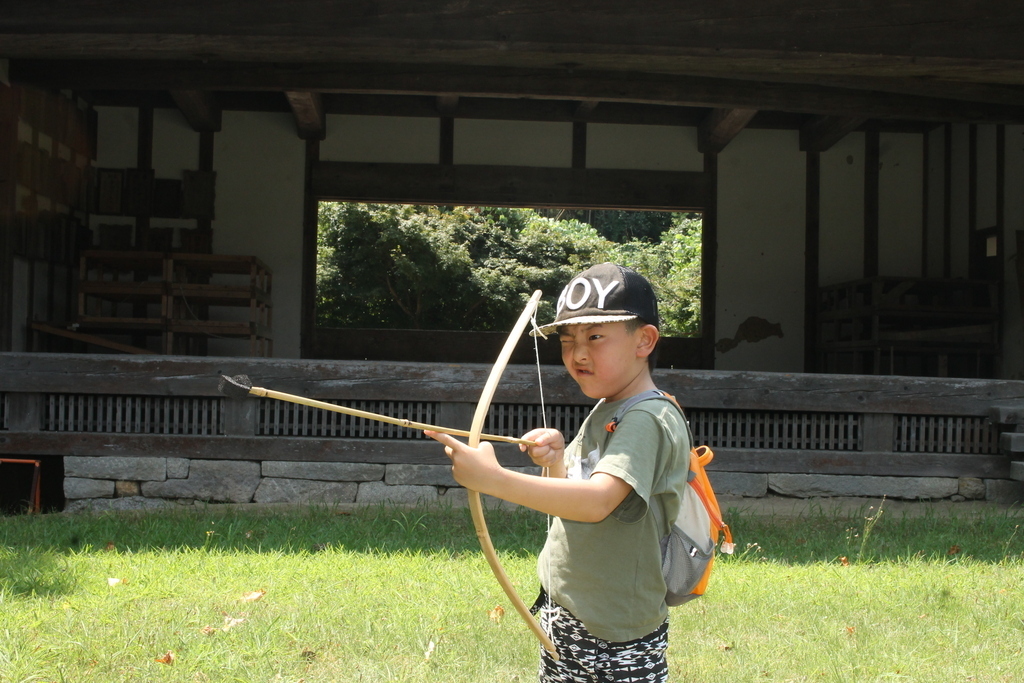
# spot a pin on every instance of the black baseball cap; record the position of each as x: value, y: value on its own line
x: 605, y: 293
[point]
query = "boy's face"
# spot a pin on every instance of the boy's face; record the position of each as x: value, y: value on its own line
x: 606, y: 359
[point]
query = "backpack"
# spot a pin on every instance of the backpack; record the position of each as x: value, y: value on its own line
x: 688, y: 546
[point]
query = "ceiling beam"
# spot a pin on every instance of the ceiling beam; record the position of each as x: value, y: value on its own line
x: 200, y: 109
x: 584, y: 109
x: 920, y: 38
x: 720, y: 126
x: 308, y: 108
x: 447, y: 104
x: 822, y: 132
x: 484, y: 185
x: 563, y: 84
x: 948, y: 85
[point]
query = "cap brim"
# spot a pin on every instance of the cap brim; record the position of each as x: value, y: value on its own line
x: 582, y: 320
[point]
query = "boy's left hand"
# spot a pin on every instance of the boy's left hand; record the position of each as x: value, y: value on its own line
x: 474, y: 468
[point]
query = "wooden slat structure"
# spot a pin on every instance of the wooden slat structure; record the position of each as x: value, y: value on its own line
x: 171, y: 293
x: 756, y: 422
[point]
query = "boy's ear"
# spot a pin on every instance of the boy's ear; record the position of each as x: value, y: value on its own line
x: 646, y: 338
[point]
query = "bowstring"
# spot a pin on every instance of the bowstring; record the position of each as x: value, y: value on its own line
x: 548, y: 609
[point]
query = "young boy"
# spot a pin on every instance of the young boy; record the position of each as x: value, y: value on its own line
x: 603, y: 595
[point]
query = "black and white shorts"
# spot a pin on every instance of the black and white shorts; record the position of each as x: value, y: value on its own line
x: 587, y: 659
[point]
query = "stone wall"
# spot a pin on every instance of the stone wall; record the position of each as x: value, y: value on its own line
x: 838, y: 485
x: 123, y: 483
x: 118, y: 483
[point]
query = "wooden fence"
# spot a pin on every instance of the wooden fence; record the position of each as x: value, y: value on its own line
x: 107, y: 405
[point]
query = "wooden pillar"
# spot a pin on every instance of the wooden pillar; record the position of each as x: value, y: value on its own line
x: 205, y: 225
x: 947, y: 203
x: 579, y: 144
x: 925, y: 172
x: 310, y: 225
x: 871, y: 161
x: 975, y: 252
x: 10, y: 104
x: 709, y: 262
x: 1000, y: 191
x: 144, y: 162
x: 812, y: 249
x: 446, y: 155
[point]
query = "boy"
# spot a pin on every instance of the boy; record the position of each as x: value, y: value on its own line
x: 603, y: 595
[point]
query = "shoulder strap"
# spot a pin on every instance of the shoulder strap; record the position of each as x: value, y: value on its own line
x: 655, y: 504
x: 643, y: 396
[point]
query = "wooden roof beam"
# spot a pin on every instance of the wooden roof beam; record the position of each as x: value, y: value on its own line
x: 822, y: 132
x: 433, y: 80
x: 308, y: 108
x: 199, y: 108
x: 447, y: 104
x: 584, y: 109
x: 720, y: 126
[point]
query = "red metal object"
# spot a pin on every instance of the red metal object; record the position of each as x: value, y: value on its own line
x: 34, y: 502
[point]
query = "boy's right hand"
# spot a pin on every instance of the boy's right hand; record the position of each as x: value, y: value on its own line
x: 548, y: 452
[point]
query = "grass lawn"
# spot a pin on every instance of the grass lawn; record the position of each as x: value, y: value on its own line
x: 389, y: 594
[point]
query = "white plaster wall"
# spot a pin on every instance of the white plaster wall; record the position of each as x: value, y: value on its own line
x: 381, y: 139
x: 260, y: 162
x: 175, y: 149
x: 175, y: 144
x: 899, y: 204
x: 960, y: 191
x: 117, y: 138
x: 1012, y: 366
x: 986, y: 217
x: 19, y: 305
x: 513, y: 143
x: 935, y: 140
x: 842, y: 212
x: 761, y: 185
x: 656, y: 148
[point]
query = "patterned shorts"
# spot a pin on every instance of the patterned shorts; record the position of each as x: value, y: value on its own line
x: 587, y: 659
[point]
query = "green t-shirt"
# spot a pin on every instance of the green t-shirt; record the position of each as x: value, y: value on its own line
x: 608, y: 573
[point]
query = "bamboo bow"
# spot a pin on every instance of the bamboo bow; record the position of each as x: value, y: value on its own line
x: 475, y: 507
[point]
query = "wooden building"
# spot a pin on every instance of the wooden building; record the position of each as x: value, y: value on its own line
x: 859, y: 168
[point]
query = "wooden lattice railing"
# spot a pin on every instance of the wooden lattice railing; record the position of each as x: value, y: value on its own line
x: 93, y: 405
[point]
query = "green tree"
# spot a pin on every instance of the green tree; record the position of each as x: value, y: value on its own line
x: 427, y: 267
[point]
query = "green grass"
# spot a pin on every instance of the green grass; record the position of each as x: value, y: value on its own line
x: 387, y: 594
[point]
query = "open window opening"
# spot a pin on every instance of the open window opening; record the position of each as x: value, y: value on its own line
x: 393, y: 280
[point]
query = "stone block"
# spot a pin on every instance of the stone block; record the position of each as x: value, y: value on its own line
x: 828, y: 485
x: 127, y: 489
x: 459, y: 498
x: 746, y: 484
x: 77, y: 487
x: 419, y: 475
x: 125, y: 468
x: 1006, y: 491
x: 218, y: 481
x: 274, y: 490
x: 177, y: 468
x: 108, y: 504
x: 971, y: 488
x: 324, y: 471
x: 373, y: 492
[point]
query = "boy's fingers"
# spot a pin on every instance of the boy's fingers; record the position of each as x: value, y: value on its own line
x: 449, y: 442
x: 446, y: 439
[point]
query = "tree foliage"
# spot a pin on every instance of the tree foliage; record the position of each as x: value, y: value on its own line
x: 430, y: 267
